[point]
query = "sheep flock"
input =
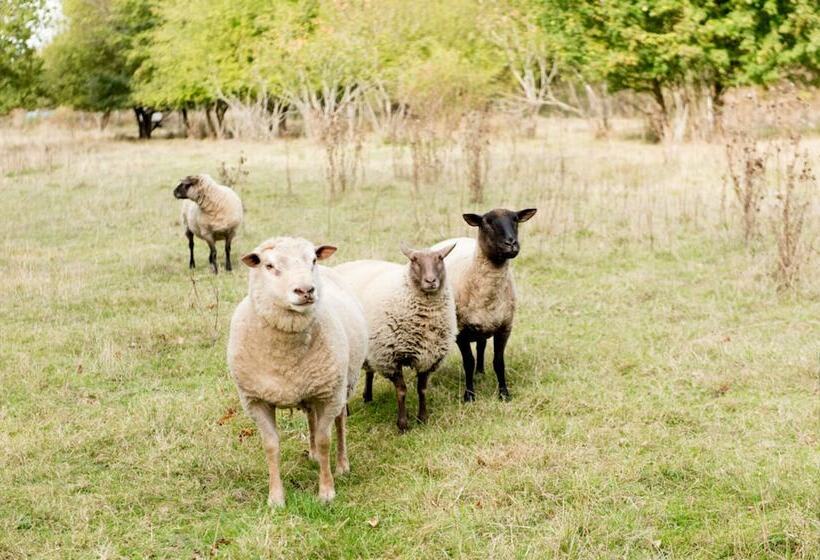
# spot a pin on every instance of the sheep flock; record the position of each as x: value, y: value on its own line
x: 301, y: 336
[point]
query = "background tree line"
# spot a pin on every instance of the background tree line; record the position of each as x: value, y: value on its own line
x: 333, y: 62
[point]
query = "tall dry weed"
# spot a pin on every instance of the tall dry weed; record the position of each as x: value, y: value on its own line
x: 232, y: 175
x: 793, y: 200
x: 476, y: 148
x: 747, y: 161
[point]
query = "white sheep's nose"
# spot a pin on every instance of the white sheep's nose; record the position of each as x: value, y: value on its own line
x: 305, y: 291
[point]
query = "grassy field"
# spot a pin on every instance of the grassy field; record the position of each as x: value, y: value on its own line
x: 665, y: 397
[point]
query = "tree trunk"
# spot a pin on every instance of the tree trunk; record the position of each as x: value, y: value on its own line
x: 186, y: 125
x: 144, y: 123
x: 221, y: 109
x: 282, y: 123
x: 210, y: 121
x: 104, y: 119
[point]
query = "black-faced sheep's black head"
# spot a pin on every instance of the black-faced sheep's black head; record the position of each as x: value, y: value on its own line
x: 498, y: 232
x: 183, y: 189
x: 427, y: 269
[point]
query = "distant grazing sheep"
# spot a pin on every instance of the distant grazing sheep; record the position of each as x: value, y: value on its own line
x: 484, y: 290
x: 411, y: 319
x: 298, y: 340
x: 212, y: 212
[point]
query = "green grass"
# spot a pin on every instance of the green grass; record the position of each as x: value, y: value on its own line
x: 665, y: 398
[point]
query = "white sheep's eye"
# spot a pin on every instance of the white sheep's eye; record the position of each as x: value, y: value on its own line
x: 269, y: 266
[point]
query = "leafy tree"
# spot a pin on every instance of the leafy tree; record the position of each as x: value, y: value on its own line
x: 90, y: 65
x: 19, y: 64
x: 655, y: 45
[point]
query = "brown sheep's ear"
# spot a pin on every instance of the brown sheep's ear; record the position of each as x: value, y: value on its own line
x: 407, y: 251
x: 472, y: 219
x: 324, y: 251
x: 524, y: 215
x: 446, y: 250
x: 251, y: 260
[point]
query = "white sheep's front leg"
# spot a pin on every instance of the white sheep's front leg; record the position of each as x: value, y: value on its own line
x: 342, y: 465
x: 324, y: 418
x: 311, y: 416
x: 264, y: 415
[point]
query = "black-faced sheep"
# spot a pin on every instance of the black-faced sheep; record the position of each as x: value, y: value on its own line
x: 212, y: 212
x: 484, y: 290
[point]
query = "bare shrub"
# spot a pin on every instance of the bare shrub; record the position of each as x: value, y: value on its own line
x: 425, y: 143
x: 343, y: 143
x: 746, y: 161
x: 232, y: 175
x: 333, y: 114
x: 791, y: 209
x: 476, y: 147
x: 260, y: 117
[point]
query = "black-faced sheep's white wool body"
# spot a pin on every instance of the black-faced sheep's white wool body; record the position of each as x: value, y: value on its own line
x: 216, y: 212
x: 484, y: 293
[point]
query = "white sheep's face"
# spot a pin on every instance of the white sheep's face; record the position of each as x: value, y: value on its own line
x: 284, y: 272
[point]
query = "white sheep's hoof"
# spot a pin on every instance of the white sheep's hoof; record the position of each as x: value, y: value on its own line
x: 276, y: 500
x: 342, y: 467
x: 326, y: 495
x: 313, y: 456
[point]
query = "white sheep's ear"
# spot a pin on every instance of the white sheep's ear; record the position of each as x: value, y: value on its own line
x: 472, y: 219
x: 324, y: 251
x: 443, y: 252
x: 407, y: 251
x: 251, y: 260
x: 524, y: 215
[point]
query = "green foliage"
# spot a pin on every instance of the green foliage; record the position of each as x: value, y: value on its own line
x: 204, y: 49
x: 648, y: 44
x: 455, y: 53
x: 19, y: 64
x: 91, y: 63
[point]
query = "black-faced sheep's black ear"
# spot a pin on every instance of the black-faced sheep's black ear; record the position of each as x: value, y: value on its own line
x: 472, y: 219
x: 324, y: 251
x: 251, y: 260
x: 524, y: 215
x: 443, y: 252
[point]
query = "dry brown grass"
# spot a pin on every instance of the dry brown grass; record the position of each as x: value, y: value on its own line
x: 664, y: 392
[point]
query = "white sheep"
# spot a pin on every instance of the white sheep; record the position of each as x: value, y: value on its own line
x: 411, y: 319
x: 212, y: 212
x: 484, y: 290
x: 298, y: 340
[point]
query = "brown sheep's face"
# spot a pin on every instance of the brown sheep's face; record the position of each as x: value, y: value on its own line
x: 285, y: 274
x: 427, y: 270
x: 498, y: 232
x: 187, y: 188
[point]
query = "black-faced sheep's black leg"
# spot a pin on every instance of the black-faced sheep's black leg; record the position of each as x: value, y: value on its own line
x: 421, y: 387
x: 228, y: 254
x: 499, y: 343
x: 469, y: 367
x: 480, y: 346
x: 212, y: 257
x: 401, y: 391
x: 368, y: 384
x: 190, y: 235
